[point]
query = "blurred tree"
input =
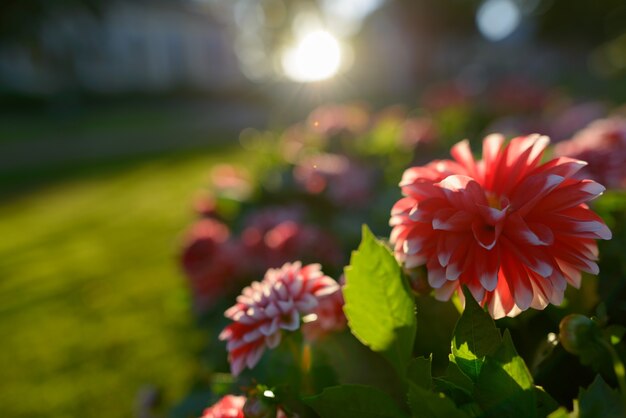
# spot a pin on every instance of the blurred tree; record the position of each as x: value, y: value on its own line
x: 20, y: 20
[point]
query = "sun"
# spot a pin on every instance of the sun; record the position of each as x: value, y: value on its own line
x: 316, y: 56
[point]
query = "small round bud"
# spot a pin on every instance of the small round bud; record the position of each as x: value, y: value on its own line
x: 258, y: 408
x: 577, y: 333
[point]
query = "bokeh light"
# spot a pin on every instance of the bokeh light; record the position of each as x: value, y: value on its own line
x: 497, y: 19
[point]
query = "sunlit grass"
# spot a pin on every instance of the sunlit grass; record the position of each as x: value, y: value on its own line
x: 92, y: 305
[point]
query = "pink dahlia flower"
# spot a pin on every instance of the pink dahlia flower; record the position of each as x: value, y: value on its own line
x: 229, y: 406
x: 511, y: 229
x: 266, y: 308
x: 328, y: 317
x: 603, y: 145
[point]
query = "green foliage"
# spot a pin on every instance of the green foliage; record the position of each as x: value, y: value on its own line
x: 455, y: 384
x: 599, y: 400
x: 419, y: 372
x: 545, y: 403
x: 562, y: 413
x: 475, y: 336
x: 354, y: 401
x: 427, y: 404
x: 505, y: 386
x: 379, y: 306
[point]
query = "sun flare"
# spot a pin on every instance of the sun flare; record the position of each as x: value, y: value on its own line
x: 316, y: 56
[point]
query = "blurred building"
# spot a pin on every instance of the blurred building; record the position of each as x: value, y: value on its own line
x: 128, y: 47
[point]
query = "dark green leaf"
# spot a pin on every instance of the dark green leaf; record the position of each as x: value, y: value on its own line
x: 505, y: 386
x: 354, y: 401
x: 379, y: 306
x: 419, y: 372
x: 599, y: 400
x: 456, y: 385
x: 475, y: 336
x: 456, y: 376
x: 545, y: 403
x: 427, y: 404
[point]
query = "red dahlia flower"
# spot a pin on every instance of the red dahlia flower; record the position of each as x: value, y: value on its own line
x: 511, y: 229
x: 229, y: 406
x: 265, y: 308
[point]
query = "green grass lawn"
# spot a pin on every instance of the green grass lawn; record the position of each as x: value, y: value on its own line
x: 102, y: 121
x: 92, y: 304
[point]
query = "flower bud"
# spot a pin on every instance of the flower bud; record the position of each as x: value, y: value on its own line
x: 258, y: 408
x: 577, y: 333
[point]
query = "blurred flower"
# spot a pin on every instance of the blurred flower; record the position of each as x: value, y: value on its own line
x: 290, y: 240
x: 265, y: 308
x: 574, y: 118
x: 445, y: 95
x: 231, y: 181
x: 274, y: 236
x: 210, y: 262
x: 332, y: 120
x: 513, y: 231
x: 205, y: 205
x: 345, y: 182
x: 517, y: 124
x: 229, y: 406
x: 517, y: 94
x: 603, y: 145
x: 295, y: 140
x: 328, y: 316
x: 264, y: 219
x: 418, y: 131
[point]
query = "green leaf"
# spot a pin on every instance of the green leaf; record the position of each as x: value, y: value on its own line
x: 460, y: 379
x: 427, y: 404
x: 599, y: 400
x: 545, y: 403
x: 354, y: 401
x: 455, y: 384
x: 505, y: 386
x: 419, y: 372
x: 379, y: 305
x: 475, y: 336
x: 562, y: 413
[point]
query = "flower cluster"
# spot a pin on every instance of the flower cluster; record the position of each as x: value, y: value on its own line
x: 513, y: 230
x: 210, y: 260
x: 266, y: 308
x: 212, y: 257
x: 275, y: 236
